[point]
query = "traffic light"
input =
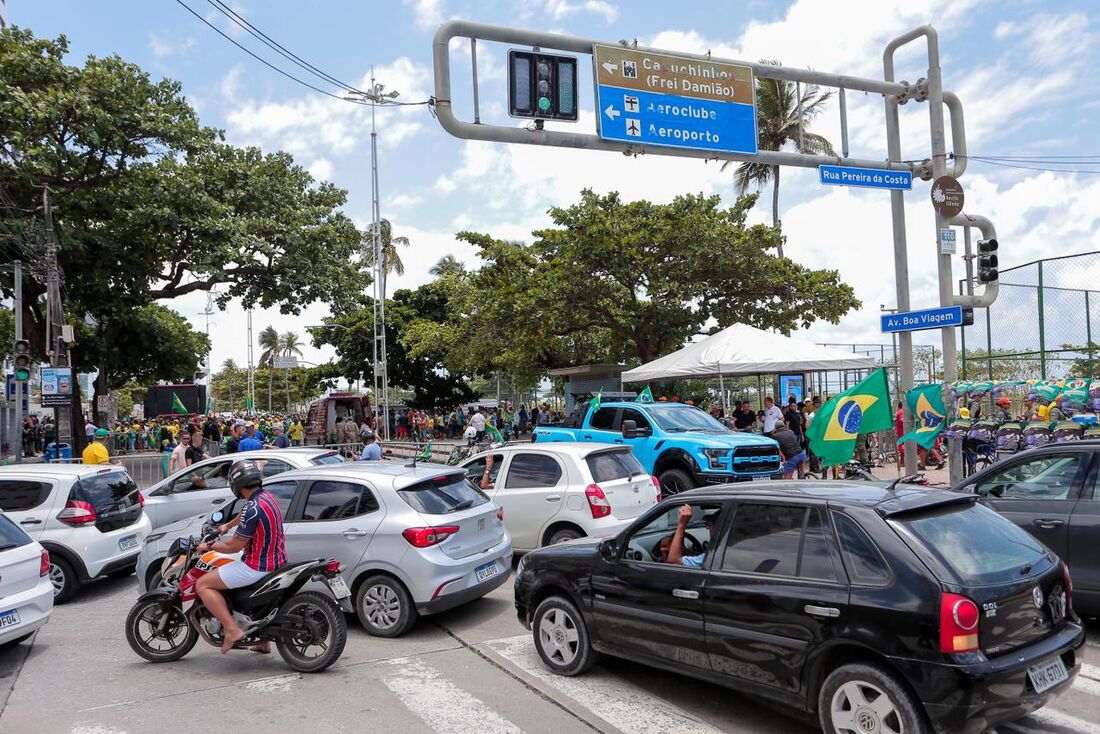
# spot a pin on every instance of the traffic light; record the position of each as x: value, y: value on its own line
x: 987, y: 261
x: 22, y: 359
x: 542, y: 86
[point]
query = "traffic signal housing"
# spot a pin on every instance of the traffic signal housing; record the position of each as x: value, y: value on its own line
x: 987, y: 261
x: 21, y: 356
x: 542, y: 86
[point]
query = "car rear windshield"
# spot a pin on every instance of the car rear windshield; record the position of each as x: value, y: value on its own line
x: 330, y: 458
x: 105, y: 490
x: 973, y: 544
x: 11, y: 536
x: 609, y: 466
x: 443, y: 495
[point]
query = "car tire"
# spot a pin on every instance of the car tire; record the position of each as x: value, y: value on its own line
x: 675, y: 481
x: 867, y: 690
x: 64, y: 579
x: 561, y: 637
x: 384, y: 606
x: 562, y: 535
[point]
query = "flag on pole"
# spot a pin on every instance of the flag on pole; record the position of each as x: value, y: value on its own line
x: 595, y: 404
x: 646, y: 396
x: 426, y: 452
x: 926, y: 405
x: 862, y: 408
x: 177, y: 405
x: 491, y: 430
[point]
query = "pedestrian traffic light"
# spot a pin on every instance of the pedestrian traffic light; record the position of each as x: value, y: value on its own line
x: 987, y: 261
x: 22, y: 358
x: 542, y: 86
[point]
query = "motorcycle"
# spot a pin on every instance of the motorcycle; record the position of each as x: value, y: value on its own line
x: 307, y: 627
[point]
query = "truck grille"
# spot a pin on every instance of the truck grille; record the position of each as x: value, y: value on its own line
x: 755, y: 460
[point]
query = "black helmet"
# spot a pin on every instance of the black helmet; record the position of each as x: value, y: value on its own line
x: 244, y: 475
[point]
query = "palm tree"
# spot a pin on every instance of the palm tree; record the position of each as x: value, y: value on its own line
x: 229, y: 365
x: 271, y: 344
x: 778, y: 122
x: 391, y: 260
x: 291, y: 347
x: 448, y: 265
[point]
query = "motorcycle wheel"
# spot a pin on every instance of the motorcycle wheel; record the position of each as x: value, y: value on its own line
x: 322, y: 632
x: 141, y: 631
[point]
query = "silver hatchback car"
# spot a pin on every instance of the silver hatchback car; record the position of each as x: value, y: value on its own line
x: 413, y: 540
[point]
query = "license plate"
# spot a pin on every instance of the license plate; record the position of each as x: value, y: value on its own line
x: 339, y: 587
x: 128, y: 543
x: 9, y: 619
x: 1047, y: 675
x: 488, y: 571
x: 762, y: 479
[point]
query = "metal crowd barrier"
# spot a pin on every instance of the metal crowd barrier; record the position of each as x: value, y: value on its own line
x: 146, y: 469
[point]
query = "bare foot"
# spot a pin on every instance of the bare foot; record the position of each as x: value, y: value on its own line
x: 264, y: 648
x: 232, y: 637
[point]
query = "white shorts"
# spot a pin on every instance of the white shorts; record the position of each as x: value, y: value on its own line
x: 238, y: 573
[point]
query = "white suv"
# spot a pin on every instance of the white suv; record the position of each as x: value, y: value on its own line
x: 554, y: 492
x: 26, y: 595
x: 90, y: 519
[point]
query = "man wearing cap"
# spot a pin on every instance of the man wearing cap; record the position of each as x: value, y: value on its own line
x: 371, y: 450
x: 233, y: 441
x: 96, y: 451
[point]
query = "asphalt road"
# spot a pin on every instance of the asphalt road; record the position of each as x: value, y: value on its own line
x: 470, y: 670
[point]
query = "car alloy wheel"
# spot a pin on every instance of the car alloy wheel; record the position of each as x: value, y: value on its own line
x: 57, y: 578
x: 382, y: 607
x: 858, y: 707
x: 559, y: 636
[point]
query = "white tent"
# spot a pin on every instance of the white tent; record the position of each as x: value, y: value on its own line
x: 745, y: 350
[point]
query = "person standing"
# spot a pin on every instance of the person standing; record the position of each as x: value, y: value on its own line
x: 794, y: 419
x: 773, y: 416
x: 279, y: 441
x: 96, y: 451
x: 296, y: 431
x: 213, y: 434
x: 178, y: 460
x: 233, y: 440
x: 523, y: 418
x: 250, y: 442
x: 477, y: 422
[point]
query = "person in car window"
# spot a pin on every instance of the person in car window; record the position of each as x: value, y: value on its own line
x: 486, y: 477
x: 676, y: 550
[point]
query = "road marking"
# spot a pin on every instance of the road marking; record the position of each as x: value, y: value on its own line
x: 274, y: 684
x: 439, y: 703
x: 620, y: 703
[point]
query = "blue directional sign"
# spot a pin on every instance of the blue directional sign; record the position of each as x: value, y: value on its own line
x: 929, y: 318
x: 871, y: 178
x: 676, y: 101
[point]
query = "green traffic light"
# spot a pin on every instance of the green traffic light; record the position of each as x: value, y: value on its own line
x: 22, y: 374
x: 544, y: 104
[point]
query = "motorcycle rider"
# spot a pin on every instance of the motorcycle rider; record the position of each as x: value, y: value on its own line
x: 260, y: 534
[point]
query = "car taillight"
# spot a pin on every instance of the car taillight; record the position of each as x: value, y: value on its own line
x: 958, y: 624
x: 141, y: 499
x: 77, y: 513
x: 500, y: 514
x: 597, y: 501
x: 44, y: 568
x: 1069, y: 589
x: 424, y: 537
x: 657, y: 486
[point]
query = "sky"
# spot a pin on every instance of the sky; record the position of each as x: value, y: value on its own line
x: 1018, y: 66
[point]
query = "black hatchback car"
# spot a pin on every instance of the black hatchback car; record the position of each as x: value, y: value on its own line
x: 872, y: 608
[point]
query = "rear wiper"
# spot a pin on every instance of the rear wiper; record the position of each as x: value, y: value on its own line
x: 464, y: 505
x: 9, y: 546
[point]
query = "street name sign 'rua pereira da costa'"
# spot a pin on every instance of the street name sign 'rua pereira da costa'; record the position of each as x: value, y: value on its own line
x: 681, y: 102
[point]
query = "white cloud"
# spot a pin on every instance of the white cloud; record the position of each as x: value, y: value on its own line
x: 162, y: 48
x: 230, y: 84
x: 403, y: 201
x: 321, y: 169
x: 427, y: 13
x: 558, y: 9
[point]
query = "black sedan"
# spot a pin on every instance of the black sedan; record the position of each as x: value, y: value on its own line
x: 1051, y: 493
x: 872, y: 608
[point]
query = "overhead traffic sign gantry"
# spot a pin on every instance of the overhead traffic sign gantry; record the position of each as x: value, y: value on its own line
x: 676, y: 101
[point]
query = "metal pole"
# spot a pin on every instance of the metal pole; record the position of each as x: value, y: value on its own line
x: 989, y: 342
x: 17, y: 304
x: 1042, y: 327
x: 473, y: 64
x: 843, y: 124
x: 1088, y: 333
x: 962, y: 337
x: 968, y: 258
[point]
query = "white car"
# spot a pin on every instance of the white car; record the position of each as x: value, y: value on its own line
x: 26, y: 594
x: 90, y: 519
x: 203, y: 486
x: 554, y: 492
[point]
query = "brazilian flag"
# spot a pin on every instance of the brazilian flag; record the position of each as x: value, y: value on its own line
x: 645, y: 397
x: 177, y: 405
x: 863, y: 408
x: 492, y: 431
x: 426, y: 452
x: 926, y: 404
x: 595, y: 404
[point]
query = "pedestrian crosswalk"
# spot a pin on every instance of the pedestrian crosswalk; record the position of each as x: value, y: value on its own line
x: 441, y: 703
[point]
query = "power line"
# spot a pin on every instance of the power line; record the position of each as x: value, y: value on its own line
x: 1005, y: 164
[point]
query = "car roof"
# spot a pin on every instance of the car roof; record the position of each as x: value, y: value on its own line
x: 401, y: 473
x: 59, y: 469
x: 880, y: 496
x: 572, y: 448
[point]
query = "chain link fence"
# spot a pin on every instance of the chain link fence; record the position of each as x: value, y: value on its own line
x: 1041, y: 326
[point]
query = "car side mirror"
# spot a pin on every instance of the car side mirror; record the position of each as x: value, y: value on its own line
x: 608, y: 549
x: 630, y: 429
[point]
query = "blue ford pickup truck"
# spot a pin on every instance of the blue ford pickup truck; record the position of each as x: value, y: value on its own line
x: 682, y: 446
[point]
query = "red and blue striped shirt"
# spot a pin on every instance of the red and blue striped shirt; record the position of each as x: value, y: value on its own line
x: 262, y: 524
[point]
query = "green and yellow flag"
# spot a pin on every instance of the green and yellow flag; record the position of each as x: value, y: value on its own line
x: 926, y: 405
x: 491, y: 430
x: 645, y: 397
x: 177, y: 405
x: 426, y: 452
x: 595, y: 404
x: 860, y: 409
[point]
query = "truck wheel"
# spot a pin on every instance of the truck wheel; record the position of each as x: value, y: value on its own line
x: 675, y: 481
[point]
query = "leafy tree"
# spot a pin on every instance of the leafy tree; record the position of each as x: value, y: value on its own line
x: 7, y: 333
x: 272, y: 345
x: 448, y: 265
x: 292, y: 345
x: 999, y: 364
x: 391, y: 258
x: 615, y: 281
x: 778, y: 120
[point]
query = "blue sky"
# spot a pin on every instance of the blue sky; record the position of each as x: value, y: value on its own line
x: 1022, y: 70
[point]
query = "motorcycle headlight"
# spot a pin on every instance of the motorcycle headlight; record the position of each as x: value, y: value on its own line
x: 716, y: 458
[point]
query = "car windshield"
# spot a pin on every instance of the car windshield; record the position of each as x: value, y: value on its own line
x: 328, y: 458
x: 974, y: 544
x: 684, y: 418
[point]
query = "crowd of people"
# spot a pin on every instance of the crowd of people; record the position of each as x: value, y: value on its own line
x: 510, y: 421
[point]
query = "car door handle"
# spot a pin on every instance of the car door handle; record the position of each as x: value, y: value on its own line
x: 1047, y: 523
x: 685, y: 594
x: 618, y: 440
x: 217, y: 502
x: 554, y: 498
x: 353, y: 533
x: 30, y: 521
x: 587, y: 435
x: 815, y: 611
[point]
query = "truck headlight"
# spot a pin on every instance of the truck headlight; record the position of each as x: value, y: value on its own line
x: 717, y: 458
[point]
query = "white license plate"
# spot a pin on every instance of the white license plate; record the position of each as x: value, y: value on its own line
x: 762, y: 479
x: 1047, y: 675
x: 488, y: 571
x: 128, y: 543
x: 339, y: 587
x: 9, y: 619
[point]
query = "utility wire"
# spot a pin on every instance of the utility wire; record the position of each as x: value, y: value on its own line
x: 1005, y: 164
